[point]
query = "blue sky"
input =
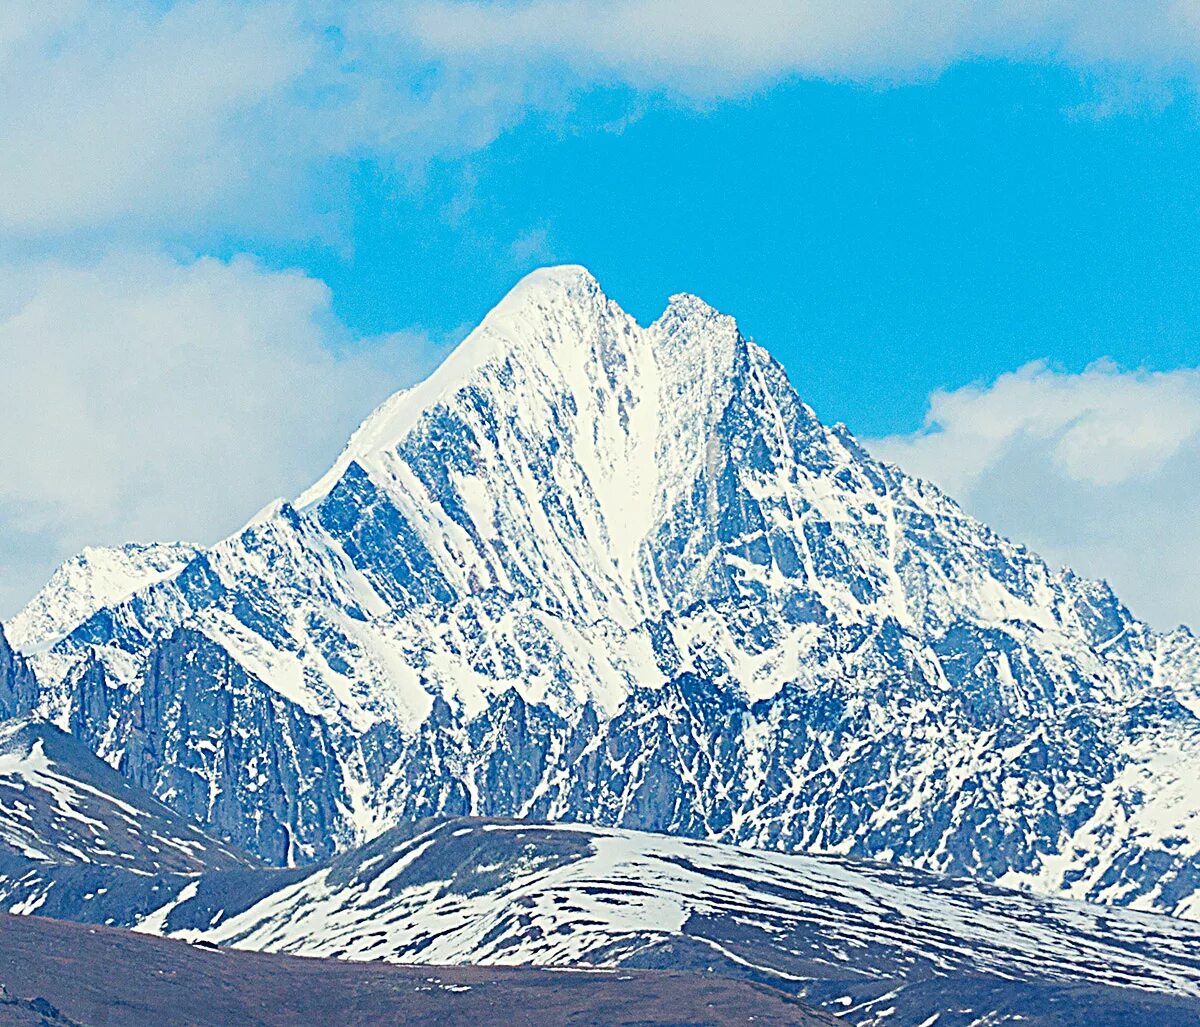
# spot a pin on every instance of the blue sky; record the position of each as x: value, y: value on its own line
x: 881, y: 242
x: 971, y: 232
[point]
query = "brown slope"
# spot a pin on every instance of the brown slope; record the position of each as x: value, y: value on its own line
x: 94, y: 976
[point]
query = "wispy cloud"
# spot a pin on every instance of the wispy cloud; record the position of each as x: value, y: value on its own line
x: 715, y: 49
x: 1093, y: 470
x: 122, y: 111
x: 144, y: 117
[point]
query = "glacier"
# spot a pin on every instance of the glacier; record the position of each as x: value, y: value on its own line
x: 599, y: 572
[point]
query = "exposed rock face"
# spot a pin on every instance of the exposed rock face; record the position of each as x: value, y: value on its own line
x: 594, y: 571
x: 18, y: 684
x: 211, y: 739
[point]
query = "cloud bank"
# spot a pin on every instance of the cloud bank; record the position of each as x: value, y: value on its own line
x: 1096, y: 470
x: 717, y: 49
x: 141, y: 117
x: 210, y: 115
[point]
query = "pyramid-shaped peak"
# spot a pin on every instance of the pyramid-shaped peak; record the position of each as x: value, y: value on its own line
x: 547, y: 286
x: 549, y: 309
x: 548, y: 291
x: 558, y: 333
x: 571, y: 293
x: 556, y: 279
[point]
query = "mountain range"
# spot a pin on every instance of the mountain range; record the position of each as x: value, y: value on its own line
x: 596, y: 572
x: 704, y: 923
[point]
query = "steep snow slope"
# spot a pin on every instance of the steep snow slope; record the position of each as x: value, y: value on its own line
x: 877, y: 944
x: 595, y: 571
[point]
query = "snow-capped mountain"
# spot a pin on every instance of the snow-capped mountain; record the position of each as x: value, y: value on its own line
x: 96, y: 578
x: 878, y: 945
x: 602, y: 572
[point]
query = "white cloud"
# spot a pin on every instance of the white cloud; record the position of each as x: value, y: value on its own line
x: 206, y: 115
x: 114, y: 110
x: 149, y: 399
x: 1098, y: 470
x: 714, y: 48
x: 141, y: 115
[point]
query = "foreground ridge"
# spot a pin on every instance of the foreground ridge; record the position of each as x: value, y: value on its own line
x: 121, y: 979
x: 878, y: 945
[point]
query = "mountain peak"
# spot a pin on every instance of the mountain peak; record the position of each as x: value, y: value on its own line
x: 556, y: 333
x: 597, y: 570
x: 554, y: 280
x: 549, y: 309
x: 688, y: 306
x: 563, y: 290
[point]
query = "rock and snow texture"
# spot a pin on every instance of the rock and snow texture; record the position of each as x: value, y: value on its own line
x: 96, y: 578
x: 79, y: 840
x: 19, y: 687
x: 879, y: 945
x: 602, y: 572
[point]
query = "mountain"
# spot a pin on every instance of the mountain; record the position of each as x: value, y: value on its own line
x: 875, y: 944
x: 878, y: 945
x: 68, y: 975
x: 96, y: 578
x: 594, y: 571
x: 78, y: 840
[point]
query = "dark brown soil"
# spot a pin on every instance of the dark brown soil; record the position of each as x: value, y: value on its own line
x: 61, y: 974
